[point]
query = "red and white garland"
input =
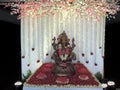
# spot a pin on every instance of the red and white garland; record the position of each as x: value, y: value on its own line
x: 63, y: 53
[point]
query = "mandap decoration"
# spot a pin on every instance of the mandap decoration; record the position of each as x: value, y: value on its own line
x: 43, y: 20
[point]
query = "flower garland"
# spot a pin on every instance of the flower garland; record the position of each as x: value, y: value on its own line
x: 95, y: 8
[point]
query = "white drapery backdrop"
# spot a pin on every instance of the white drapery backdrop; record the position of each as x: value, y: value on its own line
x: 37, y: 34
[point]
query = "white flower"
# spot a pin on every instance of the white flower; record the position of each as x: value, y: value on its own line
x: 111, y: 83
x: 18, y: 83
x: 104, y: 85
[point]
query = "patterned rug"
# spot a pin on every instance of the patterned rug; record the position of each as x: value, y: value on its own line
x: 44, y: 77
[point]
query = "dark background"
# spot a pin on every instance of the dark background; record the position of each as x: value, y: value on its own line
x: 112, y: 46
x: 10, y: 65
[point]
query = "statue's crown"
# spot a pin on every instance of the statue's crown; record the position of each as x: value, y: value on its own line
x: 64, y: 34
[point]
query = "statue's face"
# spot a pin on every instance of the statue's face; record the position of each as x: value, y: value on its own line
x: 64, y: 40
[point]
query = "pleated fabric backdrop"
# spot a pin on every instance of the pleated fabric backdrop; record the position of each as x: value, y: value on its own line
x: 37, y: 34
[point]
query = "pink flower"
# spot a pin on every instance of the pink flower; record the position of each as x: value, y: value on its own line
x: 60, y: 51
x: 41, y: 76
x: 89, y: 10
x: 70, y: 0
x: 67, y: 51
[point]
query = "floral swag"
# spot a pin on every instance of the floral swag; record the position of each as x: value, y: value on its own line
x: 93, y: 8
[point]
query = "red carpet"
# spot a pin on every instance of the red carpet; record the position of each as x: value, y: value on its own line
x: 43, y: 76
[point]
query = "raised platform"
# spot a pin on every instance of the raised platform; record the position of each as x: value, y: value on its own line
x: 47, y: 80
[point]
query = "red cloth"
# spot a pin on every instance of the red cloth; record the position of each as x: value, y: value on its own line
x: 48, y: 65
x: 51, y: 79
x: 46, y: 70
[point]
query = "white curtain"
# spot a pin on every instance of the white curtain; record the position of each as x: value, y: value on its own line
x: 37, y: 34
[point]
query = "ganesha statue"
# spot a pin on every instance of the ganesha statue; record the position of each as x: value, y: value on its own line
x: 63, y: 56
